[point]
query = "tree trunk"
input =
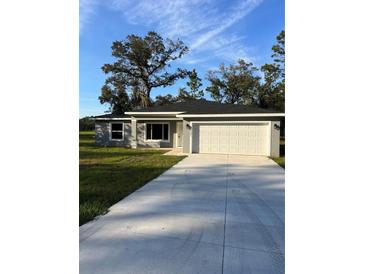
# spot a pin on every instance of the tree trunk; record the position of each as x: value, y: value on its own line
x: 148, y: 95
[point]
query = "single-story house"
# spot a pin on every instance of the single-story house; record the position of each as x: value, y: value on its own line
x: 194, y: 126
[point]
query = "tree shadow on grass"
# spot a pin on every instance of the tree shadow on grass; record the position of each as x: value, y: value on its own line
x: 192, y: 211
x: 102, y: 185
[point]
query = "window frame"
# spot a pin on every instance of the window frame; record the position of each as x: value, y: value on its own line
x: 111, y: 131
x: 157, y: 140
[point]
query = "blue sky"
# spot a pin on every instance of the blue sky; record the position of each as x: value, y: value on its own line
x: 216, y: 31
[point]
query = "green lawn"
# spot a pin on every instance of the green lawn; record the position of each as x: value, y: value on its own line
x: 108, y: 174
x: 280, y: 161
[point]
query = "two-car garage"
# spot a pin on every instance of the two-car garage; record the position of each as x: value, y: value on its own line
x: 248, y: 138
x: 198, y: 126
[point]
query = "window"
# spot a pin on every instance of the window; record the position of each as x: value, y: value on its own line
x: 157, y: 132
x: 117, y: 131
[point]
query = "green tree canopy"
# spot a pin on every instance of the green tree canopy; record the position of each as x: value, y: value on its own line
x: 235, y: 84
x: 165, y: 99
x: 279, y: 49
x: 114, y: 93
x: 86, y: 123
x: 272, y: 91
x: 141, y: 65
x: 193, y: 90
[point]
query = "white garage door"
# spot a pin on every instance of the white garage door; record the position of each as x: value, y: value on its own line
x: 248, y: 139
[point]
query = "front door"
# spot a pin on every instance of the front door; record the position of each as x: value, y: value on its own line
x: 179, y: 134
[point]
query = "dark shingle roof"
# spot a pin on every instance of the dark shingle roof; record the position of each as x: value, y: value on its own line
x: 197, y: 107
x: 205, y: 107
x: 112, y: 116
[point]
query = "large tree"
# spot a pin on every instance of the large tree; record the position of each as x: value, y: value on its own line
x: 279, y: 50
x: 193, y: 89
x: 141, y: 65
x: 272, y: 91
x: 114, y: 93
x: 235, y: 84
x: 165, y: 99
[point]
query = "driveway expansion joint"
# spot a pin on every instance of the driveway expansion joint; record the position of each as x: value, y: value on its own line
x: 207, y: 214
x: 225, y: 214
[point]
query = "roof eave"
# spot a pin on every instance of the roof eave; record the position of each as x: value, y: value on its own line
x: 232, y: 115
x: 112, y: 118
x: 154, y: 112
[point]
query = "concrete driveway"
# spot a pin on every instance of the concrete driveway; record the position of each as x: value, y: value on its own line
x: 207, y: 214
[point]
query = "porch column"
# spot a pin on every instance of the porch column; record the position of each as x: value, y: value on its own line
x: 134, y: 133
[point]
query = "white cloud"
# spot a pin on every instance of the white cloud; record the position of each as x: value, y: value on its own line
x: 193, y: 60
x: 174, y: 18
x: 87, y: 9
x: 201, y: 24
x: 231, y: 48
x: 227, y: 48
x: 229, y: 19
